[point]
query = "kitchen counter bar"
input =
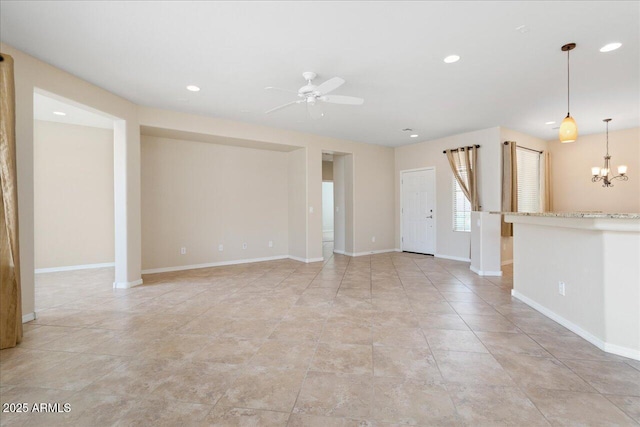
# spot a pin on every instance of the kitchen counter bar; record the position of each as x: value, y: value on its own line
x: 583, y: 271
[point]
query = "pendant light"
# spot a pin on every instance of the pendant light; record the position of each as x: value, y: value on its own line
x: 568, y: 128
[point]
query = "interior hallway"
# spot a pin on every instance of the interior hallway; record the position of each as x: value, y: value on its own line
x: 390, y: 338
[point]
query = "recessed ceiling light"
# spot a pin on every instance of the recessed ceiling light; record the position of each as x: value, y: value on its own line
x: 193, y: 88
x: 59, y: 113
x: 413, y: 136
x: 549, y: 123
x: 609, y: 47
x: 451, y: 59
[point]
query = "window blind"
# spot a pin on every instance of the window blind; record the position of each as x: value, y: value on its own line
x: 528, y: 180
x: 461, y: 206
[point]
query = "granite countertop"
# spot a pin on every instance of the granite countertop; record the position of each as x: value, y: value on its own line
x: 574, y: 214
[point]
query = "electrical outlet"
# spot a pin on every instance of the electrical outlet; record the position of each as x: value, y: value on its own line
x: 220, y: 247
x: 183, y: 251
x: 373, y: 239
x: 244, y: 246
x: 561, y: 288
x: 270, y: 243
x: 310, y: 209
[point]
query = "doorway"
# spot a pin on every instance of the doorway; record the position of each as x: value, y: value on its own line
x: 418, y: 211
x: 74, y: 192
x: 337, y: 171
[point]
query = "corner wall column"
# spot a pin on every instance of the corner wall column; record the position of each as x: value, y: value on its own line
x: 126, y: 175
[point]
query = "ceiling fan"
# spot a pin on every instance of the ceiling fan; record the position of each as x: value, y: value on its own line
x: 312, y: 96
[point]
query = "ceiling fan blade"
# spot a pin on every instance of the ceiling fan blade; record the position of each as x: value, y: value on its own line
x: 282, y: 106
x: 280, y: 89
x: 315, y: 110
x: 341, y: 99
x: 330, y: 85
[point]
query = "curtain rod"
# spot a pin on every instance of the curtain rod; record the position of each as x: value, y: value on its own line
x: 525, y: 148
x: 462, y: 148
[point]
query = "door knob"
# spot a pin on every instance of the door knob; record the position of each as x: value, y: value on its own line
x: 430, y: 216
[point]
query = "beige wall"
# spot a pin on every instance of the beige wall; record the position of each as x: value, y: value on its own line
x: 297, y: 203
x: 373, y: 171
x: 199, y: 195
x: 339, y: 204
x: 373, y: 165
x: 451, y: 243
x: 32, y: 74
x: 571, y: 173
x: 73, y: 195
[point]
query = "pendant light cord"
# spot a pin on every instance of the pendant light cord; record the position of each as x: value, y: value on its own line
x: 568, y: 83
x: 607, y: 138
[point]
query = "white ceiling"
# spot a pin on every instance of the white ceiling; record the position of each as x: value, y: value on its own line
x: 390, y: 53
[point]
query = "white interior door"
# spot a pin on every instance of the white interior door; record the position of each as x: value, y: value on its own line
x: 418, y: 189
x: 327, y: 211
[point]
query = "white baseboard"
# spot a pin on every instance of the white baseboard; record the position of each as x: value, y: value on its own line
x: 305, y: 260
x: 602, y: 345
x: 507, y: 262
x: 74, y: 267
x: 454, y: 258
x: 622, y: 351
x: 485, y: 273
x: 126, y: 285
x: 28, y: 317
x: 212, y: 264
x: 381, y: 251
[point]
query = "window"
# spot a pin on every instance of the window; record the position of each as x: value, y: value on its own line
x: 528, y: 180
x: 461, y: 206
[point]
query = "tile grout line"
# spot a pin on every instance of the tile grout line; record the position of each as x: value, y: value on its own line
x: 304, y: 379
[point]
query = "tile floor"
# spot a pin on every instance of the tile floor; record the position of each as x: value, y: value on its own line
x: 390, y: 339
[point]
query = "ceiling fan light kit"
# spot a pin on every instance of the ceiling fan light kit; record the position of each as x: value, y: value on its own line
x: 313, y: 95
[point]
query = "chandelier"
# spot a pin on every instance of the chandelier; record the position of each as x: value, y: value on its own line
x: 602, y: 174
